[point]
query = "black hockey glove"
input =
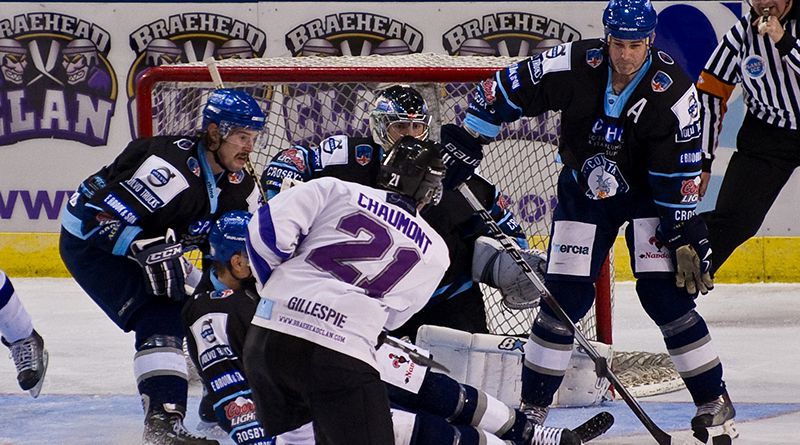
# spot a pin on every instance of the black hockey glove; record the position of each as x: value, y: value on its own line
x: 161, y: 261
x: 691, y: 253
x: 461, y: 153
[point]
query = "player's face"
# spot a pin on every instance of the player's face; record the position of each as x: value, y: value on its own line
x: 627, y: 56
x: 399, y: 129
x: 236, y: 147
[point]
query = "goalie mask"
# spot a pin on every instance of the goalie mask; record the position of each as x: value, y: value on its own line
x: 630, y: 20
x: 413, y: 168
x: 394, y: 105
x: 227, y: 235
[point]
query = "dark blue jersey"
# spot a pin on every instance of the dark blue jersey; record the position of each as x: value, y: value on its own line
x: 155, y: 184
x: 646, y: 138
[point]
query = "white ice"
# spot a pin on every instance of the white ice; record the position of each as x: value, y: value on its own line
x: 90, y: 397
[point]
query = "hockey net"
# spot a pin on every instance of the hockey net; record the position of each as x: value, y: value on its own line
x: 309, y: 98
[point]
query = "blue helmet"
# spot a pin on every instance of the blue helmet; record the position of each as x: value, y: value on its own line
x: 227, y: 235
x: 630, y: 19
x: 231, y: 108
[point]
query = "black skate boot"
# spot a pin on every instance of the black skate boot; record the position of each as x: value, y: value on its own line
x: 716, y: 417
x: 163, y: 425
x: 30, y: 357
x: 535, y: 413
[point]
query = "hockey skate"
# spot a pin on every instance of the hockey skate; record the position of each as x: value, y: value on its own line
x: 535, y: 414
x: 30, y: 357
x: 715, y: 419
x: 163, y: 425
x: 545, y: 435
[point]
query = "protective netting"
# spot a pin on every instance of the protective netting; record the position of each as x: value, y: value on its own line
x: 302, y: 109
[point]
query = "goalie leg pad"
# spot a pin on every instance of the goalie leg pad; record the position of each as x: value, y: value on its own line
x: 492, y: 363
x: 493, y: 266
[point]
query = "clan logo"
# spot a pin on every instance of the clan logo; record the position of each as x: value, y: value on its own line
x: 189, y: 37
x: 507, y: 34
x: 56, y: 79
x: 353, y: 34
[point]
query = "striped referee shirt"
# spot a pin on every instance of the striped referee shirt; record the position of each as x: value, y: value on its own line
x: 768, y: 72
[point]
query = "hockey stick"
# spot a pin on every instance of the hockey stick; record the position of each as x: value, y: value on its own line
x: 601, y: 364
x: 216, y: 78
x: 44, y: 67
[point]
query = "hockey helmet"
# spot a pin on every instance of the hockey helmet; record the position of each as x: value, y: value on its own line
x: 413, y: 168
x: 630, y: 19
x: 231, y: 109
x: 227, y: 235
x: 398, y: 103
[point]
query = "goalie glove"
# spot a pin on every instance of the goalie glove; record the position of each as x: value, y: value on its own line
x: 461, y: 154
x: 161, y: 260
x: 491, y: 265
x: 691, y: 253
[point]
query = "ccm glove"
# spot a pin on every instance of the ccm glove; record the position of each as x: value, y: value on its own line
x: 162, y: 262
x: 691, y: 253
x: 461, y: 154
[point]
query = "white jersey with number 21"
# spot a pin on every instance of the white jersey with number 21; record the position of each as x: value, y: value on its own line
x: 337, y: 262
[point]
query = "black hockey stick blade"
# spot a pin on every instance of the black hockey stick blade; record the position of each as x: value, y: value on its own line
x: 594, y: 427
x: 703, y: 436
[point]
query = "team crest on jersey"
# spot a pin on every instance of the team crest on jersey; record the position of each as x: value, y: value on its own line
x: 507, y: 34
x: 661, y: 81
x: 603, y: 177
x: 666, y: 58
x: 353, y: 34
x: 194, y: 165
x: 236, y: 177
x: 56, y: 80
x: 189, y: 37
x: 755, y: 66
x: 363, y: 154
x: 594, y: 57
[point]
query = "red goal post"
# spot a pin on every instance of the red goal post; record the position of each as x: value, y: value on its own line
x: 309, y: 98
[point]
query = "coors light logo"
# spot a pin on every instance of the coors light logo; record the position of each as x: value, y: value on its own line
x: 189, y: 37
x: 56, y: 79
x: 353, y: 34
x: 507, y: 34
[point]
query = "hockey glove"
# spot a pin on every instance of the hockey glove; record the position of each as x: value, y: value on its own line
x: 492, y: 266
x: 161, y: 261
x: 461, y: 153
x: 691, y: 253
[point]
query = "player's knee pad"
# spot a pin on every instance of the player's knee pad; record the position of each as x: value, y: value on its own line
x: 159, y: 355
x: 575, y: 297
x: 661, y: 299
x: 493, y: 364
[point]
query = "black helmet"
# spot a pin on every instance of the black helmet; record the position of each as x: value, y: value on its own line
x: 413, y: 168
x: 399, y: 103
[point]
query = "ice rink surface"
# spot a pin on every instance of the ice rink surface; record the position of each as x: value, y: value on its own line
x: 90, y: 397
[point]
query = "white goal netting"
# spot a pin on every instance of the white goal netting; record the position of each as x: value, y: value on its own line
x: 307, y: 99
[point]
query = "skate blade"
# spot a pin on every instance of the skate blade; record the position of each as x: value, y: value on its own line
x: 34, y: 392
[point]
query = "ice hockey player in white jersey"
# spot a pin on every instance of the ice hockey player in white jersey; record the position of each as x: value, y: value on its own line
x: 26, y: 345
x: 432, y: 408
x: 336, y: 264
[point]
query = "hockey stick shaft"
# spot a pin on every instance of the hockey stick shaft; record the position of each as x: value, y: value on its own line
x: 603, y: 370
x: 415, y: 356
x: 216, y: 79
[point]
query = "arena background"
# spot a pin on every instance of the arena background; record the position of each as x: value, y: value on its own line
x: 65, y: 106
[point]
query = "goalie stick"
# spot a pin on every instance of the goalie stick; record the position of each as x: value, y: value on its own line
x: 415, y: 356
x: 216, y: 79
x: 601, y: 364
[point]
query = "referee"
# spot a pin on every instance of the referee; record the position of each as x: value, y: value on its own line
x: 762, y: 52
